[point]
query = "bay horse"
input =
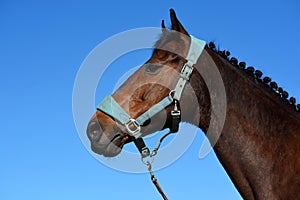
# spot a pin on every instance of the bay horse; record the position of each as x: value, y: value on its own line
x: 259, y: 145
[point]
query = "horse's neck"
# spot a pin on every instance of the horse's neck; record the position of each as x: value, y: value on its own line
x: 260, y: 142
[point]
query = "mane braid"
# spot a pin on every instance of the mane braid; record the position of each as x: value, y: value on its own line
x: 257, y: 75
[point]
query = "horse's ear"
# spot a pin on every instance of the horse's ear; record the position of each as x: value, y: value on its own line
x: 163, y: 27
x: 176, y: 25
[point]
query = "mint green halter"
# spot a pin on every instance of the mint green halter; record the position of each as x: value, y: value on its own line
x: 133, y: 126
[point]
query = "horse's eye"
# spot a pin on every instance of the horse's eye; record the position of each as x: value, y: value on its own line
x: 152, y: 68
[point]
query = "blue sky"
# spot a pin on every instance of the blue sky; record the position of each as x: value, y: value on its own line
x: 42, y: 46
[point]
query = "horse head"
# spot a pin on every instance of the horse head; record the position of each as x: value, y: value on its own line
x: 152, y: 84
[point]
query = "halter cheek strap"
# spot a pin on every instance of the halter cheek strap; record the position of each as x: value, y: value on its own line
x: 133, y: 126
x: 194, y: 53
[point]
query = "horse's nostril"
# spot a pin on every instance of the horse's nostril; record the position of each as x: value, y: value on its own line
x: 94, y: 130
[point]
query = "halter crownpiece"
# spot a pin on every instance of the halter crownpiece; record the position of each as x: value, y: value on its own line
x: 133, y: 126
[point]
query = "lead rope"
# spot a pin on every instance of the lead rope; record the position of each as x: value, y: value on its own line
x: 155, y: 182
x: 145, y: 152
x: 148, y: 163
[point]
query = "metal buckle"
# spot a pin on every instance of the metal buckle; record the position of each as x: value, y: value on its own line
x: 132, y: 127
x: 186, y: 71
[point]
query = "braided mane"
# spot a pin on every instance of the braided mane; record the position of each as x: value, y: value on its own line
x: 258, y: 76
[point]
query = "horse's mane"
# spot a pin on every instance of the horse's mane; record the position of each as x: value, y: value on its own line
x: 257, y: 76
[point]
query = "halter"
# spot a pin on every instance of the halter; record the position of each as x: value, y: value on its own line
x: 133, y: 126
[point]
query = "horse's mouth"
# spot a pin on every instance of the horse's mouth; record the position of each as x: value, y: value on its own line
x: 112, y: 148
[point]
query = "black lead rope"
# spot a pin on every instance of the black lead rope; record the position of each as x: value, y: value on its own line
x: 145, y: 152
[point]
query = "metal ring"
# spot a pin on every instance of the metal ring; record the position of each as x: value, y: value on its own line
x: 147, y: 162
x: 171, y: 94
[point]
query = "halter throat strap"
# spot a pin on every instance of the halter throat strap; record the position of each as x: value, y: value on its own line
x: 133, y: 126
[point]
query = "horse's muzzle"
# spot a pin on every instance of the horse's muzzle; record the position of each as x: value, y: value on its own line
x: 108, y: 143
x: 95, y: 135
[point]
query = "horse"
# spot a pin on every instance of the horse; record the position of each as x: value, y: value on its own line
x: 259, y: 143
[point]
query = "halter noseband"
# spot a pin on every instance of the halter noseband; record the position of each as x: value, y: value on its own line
x: 133, y: 126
